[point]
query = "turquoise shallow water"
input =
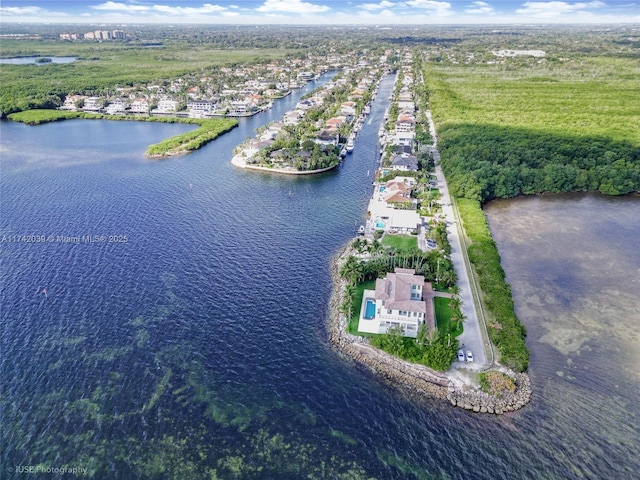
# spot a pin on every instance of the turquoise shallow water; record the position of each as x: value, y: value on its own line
x: 199, y: 344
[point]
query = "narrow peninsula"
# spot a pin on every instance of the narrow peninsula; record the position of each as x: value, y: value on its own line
x: 209, y: 129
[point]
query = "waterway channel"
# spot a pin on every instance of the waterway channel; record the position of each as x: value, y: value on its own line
x: 192, y: 340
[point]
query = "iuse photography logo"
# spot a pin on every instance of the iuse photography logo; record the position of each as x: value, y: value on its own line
x: 41, y: 469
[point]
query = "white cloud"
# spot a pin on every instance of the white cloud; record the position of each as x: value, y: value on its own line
x: 479, y: 8
x: 20, y: 10
x: 203, y: 10
x: 291, y: 6
x: 122, y: 7
x: 553, y: 9
x: 440, y: 8
x: 377, y: 6
x: 165, y: 9
x: 29, y: 12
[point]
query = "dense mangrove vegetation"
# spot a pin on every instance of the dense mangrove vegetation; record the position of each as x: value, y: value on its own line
x: 190, y: 141
x: 505, y: 330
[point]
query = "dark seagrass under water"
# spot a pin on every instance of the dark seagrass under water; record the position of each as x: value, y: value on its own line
x: 200, y: 344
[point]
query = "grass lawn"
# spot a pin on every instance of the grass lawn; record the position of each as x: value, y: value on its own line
x: 443, y: 317
x: 357, y: 305
x: 401, y: 241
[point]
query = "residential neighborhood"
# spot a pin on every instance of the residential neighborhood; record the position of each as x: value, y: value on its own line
x: 320, y: 131
x: 239, y: 91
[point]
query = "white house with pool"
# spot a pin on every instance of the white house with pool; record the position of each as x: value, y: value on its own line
x: 401, y: 299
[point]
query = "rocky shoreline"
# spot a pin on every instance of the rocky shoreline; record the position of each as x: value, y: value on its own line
x: 412, y: 377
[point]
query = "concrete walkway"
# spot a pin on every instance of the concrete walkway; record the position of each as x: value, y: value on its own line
x: 471, y: 337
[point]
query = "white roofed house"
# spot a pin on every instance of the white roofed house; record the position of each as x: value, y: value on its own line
x: 139, y: 105
x: 348, y: 109
x: 293, y: 117
x: 240, y: 107
x: 116, y: 106
x: 166, y: 105
x: 71, y: 102
x: 200, y: 108
x: 401, y: 299
x: 93, y: 104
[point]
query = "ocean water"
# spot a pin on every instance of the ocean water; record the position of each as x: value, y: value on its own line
x: 188, y: 340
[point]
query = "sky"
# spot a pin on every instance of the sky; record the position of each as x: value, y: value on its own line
x: 320, y: 12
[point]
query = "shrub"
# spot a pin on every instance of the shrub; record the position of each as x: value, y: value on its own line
x: 496, y: 383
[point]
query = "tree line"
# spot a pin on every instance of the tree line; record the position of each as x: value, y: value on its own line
x: 483, y: 162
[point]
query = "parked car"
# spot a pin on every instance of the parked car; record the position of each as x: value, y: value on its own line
x: 469, y: 356
x: 460, y: 356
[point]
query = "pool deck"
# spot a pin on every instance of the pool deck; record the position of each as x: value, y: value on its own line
x: 368, y: 325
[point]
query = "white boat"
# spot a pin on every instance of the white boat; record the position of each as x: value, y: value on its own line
x: 349, y: 146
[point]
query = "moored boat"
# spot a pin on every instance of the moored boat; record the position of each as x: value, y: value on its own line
x: 349, y: 146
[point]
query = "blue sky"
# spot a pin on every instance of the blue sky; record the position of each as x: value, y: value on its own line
x: 320, y: 12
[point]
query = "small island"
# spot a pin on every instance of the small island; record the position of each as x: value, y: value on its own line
x: 43, y: 60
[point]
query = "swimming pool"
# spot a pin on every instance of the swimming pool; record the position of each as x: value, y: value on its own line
x: 382, y: 188
x: 380, y: 224
x: 370, y: 311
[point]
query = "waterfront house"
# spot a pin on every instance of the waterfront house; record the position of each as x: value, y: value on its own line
x: 348, y: 109
x: 166, y: 105
x: 401, y: 299
x: 71, y: 102
x: 199, y: 108
x: 404, y: 162
x: 116, y: 106
x: 139, y: 105
x: 293, y: 117
x: 335, y: 123
x: 325, y: 137
x: 405, y: 123
x: 92, y: 104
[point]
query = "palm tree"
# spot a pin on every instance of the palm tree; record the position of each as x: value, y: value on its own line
x: 353, y: 270
x: 455, y: 303
x: 458, y: 317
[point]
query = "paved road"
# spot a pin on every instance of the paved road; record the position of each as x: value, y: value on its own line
x: 471, y: 337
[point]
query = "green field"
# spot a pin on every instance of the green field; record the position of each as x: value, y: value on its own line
x: 558, y: 125
x: 400, y: 241
x: 443, y: 317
